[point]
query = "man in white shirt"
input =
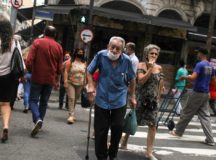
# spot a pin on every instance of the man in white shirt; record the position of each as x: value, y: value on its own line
x: 130, y: 51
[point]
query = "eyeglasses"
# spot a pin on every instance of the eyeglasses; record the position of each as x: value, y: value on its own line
x: 153, y: 53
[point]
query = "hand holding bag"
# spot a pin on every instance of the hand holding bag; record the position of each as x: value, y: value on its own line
x: 84, y: 98
x: 130, y: 123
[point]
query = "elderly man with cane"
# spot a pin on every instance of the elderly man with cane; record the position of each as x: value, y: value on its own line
x: 116, y: 72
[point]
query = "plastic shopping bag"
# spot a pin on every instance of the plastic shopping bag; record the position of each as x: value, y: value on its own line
x: 130, y: 122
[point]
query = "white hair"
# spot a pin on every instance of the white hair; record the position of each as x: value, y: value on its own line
x: 119, y: 39
x: 150, y: 47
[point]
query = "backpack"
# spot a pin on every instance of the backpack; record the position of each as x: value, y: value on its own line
x: 17, y: 67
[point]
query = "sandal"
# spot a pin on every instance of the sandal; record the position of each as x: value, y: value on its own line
x: 151, y: 158
x: 173, y: 133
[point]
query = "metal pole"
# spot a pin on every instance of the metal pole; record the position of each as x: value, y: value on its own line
x: 88, y: 46
x: 33, y: 18
x: 13, y: 18
x: 211, y: 27
x: 90, y: 12
x: 46, y: 2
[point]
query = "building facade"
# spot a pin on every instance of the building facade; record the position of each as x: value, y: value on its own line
x: 177, y: 26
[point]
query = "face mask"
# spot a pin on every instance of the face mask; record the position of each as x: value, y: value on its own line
x: 80, y: 56
x: 113, y: 57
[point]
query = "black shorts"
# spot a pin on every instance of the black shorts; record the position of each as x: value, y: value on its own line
x: 6, y: 88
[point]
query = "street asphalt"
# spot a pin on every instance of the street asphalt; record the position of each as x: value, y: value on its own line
x: 60, y: 141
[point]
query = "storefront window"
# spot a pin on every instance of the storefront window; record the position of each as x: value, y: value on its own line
x: 167, y: 57
x: 170, y: 49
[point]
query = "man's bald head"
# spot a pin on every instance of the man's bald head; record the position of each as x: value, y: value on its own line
x: 50, y: 31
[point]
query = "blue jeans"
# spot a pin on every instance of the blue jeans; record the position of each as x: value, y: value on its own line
x: 27, y: 86
x: 38, y: 101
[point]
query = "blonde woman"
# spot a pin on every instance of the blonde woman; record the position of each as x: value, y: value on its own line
x: 150, y: 82
x: 150, y: 85
x: 74, y: 80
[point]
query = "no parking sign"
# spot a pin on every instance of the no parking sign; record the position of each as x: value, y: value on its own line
x: 86, y: 35
x: 16, y: 3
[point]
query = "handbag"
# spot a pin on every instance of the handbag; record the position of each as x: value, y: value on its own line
x: 130, y: 123
x: 17, y: 67
x: 84, y: 99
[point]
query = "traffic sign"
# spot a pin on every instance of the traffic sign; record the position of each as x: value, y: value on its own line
x: 86, y: 35
x: 16, y: 3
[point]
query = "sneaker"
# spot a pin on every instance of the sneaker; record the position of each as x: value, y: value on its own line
x: 36, y: 128
x: 209, y: 143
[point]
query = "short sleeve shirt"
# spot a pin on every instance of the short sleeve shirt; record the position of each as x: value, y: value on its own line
x: 205, y: 73
x: 112, y: 85
x: 180, y: 84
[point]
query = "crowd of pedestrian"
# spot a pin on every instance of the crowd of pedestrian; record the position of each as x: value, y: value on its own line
x: 115, y: 79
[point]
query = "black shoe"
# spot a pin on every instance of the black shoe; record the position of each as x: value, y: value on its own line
x: 36, y: 128
x: 4, y: 137
x: 60, y: 106
x: 25, y: 110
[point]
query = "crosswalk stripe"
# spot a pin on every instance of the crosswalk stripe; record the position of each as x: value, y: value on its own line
x: 186, y: 137
x: 167, y: 136
x: 197, y: 130
x: 193, y: 121
x: 170, y: 150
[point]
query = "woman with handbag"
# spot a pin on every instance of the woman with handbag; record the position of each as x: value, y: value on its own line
x: 150, y: 85
x: 74, y: 80
x: 7, y: 81
x: 150, y: 81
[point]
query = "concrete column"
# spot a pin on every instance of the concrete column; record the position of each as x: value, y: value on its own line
x: 184, y: 51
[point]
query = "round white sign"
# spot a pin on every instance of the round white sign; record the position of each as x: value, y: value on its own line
x: 86, y: 35
x: 17, y: 3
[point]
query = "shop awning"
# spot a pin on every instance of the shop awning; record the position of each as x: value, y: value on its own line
x: 122, y: 15
x: 24, y: 14
x: 38, y: 30
x: 201, y: 35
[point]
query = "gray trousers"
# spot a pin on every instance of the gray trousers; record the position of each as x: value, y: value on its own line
x: 197, y: 104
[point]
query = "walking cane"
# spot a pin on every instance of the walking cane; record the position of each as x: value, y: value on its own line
x: 89, y: 129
